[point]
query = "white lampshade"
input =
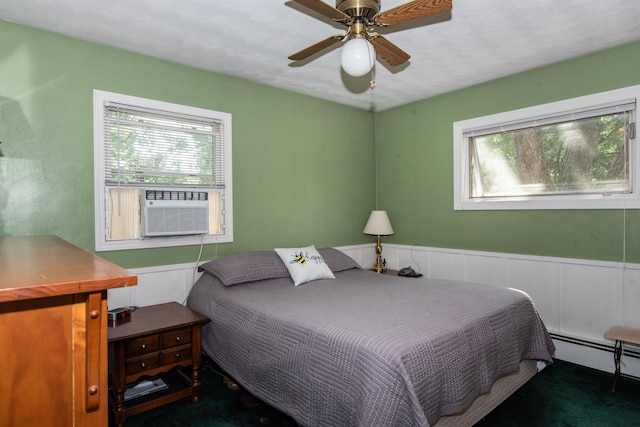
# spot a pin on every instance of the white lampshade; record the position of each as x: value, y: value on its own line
x: 358, y: 57
x: 378, y: 224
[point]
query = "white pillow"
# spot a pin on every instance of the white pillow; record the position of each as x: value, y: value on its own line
x: 304, y: 264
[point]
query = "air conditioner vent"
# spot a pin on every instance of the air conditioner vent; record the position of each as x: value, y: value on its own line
x: 175, y: 195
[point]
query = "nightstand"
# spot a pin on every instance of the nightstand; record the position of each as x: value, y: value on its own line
x: 159, y: 341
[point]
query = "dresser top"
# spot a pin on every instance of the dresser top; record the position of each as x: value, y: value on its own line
x: 46, y: 266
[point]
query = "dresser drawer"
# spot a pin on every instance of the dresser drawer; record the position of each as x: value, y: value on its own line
x: 141, y: 346
x: 176, y: 338
x: 176, y: 355
x: 140, y: 364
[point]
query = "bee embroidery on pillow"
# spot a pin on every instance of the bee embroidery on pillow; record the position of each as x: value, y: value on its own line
x: 298, y: 258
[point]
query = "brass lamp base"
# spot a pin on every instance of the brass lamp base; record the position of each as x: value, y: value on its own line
x: 379, y: 267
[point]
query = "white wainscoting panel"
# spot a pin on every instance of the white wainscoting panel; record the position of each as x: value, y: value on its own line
x: 440, y: 265
x: 538, y: 280
x: 587, y: 300
x: 486, y: 269
x: 631, y: 297
x: 156, y: 285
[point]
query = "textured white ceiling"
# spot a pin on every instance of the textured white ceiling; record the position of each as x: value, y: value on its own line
x: 479, y: 40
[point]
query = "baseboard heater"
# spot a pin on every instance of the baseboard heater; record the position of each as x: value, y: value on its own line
x: 628, y: 351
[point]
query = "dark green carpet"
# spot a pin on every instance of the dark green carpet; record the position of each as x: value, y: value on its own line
x: 562, y: 395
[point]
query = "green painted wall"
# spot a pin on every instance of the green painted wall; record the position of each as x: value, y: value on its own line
x: 303, y: 168
x: 415, y: 172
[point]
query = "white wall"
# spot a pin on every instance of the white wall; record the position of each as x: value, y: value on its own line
x: 575, y: 298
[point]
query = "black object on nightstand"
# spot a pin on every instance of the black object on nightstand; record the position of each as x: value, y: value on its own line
x: 408, y: 272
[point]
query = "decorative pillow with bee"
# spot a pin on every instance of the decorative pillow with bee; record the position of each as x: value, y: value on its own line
x: 305, y: 264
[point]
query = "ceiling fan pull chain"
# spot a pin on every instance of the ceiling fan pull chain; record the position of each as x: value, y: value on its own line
x: 372, y: 83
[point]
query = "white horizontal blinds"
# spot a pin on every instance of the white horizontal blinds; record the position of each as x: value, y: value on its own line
x: 567, y: 116
x: 150, y: 147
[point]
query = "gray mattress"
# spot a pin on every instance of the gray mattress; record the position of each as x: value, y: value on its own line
x: 366, y: 349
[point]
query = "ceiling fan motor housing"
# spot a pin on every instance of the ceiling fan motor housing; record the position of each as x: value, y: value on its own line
x: 359, y: 8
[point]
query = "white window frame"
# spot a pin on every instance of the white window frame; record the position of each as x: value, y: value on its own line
x: 102, y: 243
x: 462, y: 170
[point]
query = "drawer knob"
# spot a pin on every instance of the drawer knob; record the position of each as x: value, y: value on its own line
x: 93, y: 390
x: 94, y: 314
x: 178, y: 339
x: 143, y: 365
x: 177, y: 355
x: 143, y: 346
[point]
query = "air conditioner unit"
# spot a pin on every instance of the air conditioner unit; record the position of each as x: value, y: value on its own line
x: 173, y: 212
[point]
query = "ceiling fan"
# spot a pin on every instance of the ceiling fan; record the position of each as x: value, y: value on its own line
x: 361, y: 17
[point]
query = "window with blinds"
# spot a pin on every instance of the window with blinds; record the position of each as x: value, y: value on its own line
x: 574, y: 154
x: 143, y: 144
x: 153, y: 147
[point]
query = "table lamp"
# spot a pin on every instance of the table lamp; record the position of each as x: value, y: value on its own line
x: 378, y: 225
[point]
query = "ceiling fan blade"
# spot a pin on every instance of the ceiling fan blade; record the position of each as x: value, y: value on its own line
x: 413, y: 10
x: 324, y: 9
x: 317, y: 47
x: 388, y: 51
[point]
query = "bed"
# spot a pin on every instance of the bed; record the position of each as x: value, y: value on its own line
x: 364, y: 349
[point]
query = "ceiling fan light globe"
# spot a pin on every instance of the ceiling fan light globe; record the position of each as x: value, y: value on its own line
x: 357, y: 57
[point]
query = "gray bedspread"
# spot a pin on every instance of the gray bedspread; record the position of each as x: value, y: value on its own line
x: 366, y: 349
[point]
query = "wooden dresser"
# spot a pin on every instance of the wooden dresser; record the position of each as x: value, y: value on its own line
x: 53, y: 332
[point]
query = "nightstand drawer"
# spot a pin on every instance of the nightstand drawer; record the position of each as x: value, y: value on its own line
x: 140, y: 346
x: 140, y: 364
x: 175, y: 338
x: 176, y: 355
